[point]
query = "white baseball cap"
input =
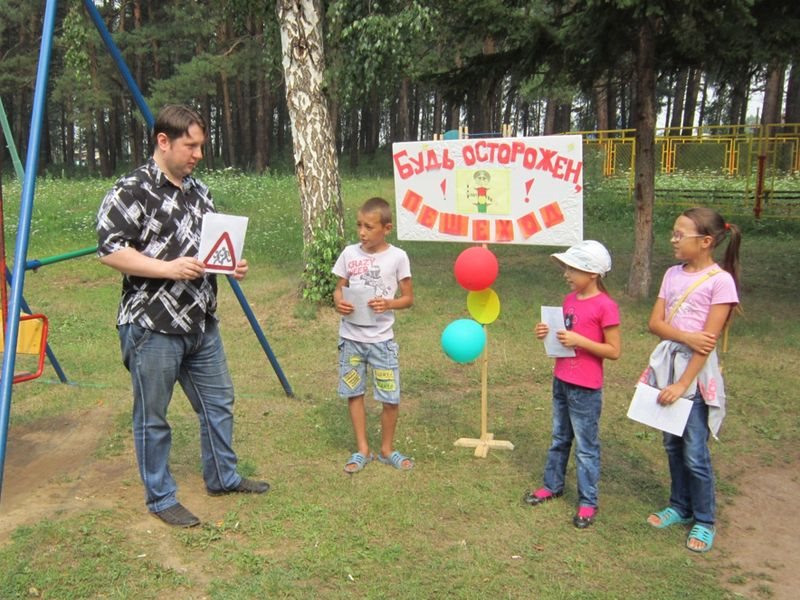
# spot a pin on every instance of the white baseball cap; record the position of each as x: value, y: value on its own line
x: 589, y: 256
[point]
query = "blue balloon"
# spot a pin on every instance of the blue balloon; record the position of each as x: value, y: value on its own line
x: 463, y: 340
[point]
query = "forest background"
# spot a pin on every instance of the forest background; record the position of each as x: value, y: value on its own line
x: 349, y: 78
x: 396, y: 70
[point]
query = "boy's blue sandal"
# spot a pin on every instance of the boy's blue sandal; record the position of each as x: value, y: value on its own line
x: 702, y: 533
x: 359, y: 460
x: 669, y: 516
x: 396, y: 460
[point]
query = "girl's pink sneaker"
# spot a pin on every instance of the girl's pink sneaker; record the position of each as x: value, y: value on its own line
x: 538, y: 497
x: 584, y: 517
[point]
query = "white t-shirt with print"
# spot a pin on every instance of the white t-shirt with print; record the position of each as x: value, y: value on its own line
x: 381, y: 271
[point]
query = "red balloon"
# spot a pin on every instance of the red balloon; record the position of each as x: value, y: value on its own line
x: 476, y: 268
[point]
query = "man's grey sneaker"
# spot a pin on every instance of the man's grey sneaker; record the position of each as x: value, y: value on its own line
x: 246, y: 486
x: 178, y: 516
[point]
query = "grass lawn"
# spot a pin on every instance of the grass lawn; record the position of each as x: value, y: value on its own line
x: 454, y: 527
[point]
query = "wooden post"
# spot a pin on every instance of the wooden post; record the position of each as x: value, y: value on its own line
x: 483, y: 444
x: 486, y: 442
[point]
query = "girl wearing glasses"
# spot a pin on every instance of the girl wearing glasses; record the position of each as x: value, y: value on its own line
x: 693, y: 306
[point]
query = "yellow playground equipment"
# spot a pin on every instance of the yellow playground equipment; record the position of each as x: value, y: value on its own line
x: 32, y: 336
x: 31, y: 345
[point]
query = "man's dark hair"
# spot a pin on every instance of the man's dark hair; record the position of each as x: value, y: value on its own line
x: 174, y: 120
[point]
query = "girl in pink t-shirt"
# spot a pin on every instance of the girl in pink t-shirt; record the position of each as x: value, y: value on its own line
x: 693, y: 306
x: 592, y: 330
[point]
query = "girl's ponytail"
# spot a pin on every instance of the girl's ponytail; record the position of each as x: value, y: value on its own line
x: 731, y: 261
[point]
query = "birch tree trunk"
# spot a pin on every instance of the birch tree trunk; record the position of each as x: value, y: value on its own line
x: 640, y: 275
x: 315, y: 160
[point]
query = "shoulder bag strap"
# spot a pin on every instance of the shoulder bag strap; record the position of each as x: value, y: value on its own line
x: 690, y: 289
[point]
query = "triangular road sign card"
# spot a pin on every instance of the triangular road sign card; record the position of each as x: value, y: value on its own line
x: 222, y: 255
x: 222, y: 242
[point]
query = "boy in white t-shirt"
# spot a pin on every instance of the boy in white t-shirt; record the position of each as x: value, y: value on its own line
x: 377, y: 265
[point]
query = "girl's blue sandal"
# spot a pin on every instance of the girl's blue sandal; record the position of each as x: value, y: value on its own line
x: 701, y: 533
x: 669, y: 516
x: 396, y: 460
x: 359, y: 460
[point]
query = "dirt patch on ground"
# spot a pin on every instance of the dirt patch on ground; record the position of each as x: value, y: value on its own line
x: 52, y: 471
x: 758, y: 545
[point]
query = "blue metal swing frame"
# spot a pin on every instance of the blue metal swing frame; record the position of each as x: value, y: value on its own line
x: 16, y: 301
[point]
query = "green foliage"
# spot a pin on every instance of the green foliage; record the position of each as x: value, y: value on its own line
x: 191, y: 79
x: 597, y: 36
x: 376, y: 45
x: 454, y: 527
x: 320, y: 255
x: 480, y: 41
x: 75, y: 38
x: 18, y: 45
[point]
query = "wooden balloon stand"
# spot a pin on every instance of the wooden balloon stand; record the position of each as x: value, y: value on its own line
x: 443, y: 192
x: 486, y: 442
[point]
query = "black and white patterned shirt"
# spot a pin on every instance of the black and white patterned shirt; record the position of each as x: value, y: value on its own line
x: 147, y: 212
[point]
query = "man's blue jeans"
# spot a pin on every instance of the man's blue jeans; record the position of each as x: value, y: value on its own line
x: 576, y: 414
x: 197, y: 361
x: 692, y: 491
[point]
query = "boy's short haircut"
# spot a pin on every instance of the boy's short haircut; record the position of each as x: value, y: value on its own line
x: 174, y: 121
x: 378, y: 205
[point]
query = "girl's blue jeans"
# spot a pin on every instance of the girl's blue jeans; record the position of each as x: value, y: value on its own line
x: 692, y: 490
x: 197, y: 361
x: 576, y: 414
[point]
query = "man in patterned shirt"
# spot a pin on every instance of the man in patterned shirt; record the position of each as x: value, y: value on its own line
x: 149, y: 229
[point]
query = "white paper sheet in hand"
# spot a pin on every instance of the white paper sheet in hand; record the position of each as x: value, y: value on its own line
x: 358, y: 297
x: 553, y: 317
x: 645, y: 409
x: 222, y: 242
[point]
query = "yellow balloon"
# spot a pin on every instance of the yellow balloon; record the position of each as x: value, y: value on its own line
x: 484, y: 306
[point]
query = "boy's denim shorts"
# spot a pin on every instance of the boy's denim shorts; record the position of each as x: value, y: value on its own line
x: 381, y: 357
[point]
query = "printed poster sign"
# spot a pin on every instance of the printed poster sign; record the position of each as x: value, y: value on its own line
x: 494, y: 190
x: 222, y: 242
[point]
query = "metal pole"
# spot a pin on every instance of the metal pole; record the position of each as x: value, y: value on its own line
x: 237, y: 290
x: 762, y: 160
x: 117, y: 56
x: 148, y: 116
x: 23, y: 231
x: 10, y: 143
x: 21, y: 176
x: 41, y: 262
